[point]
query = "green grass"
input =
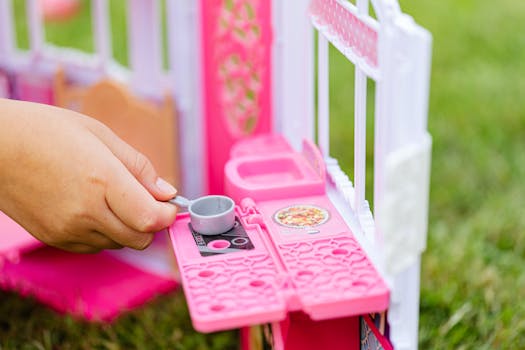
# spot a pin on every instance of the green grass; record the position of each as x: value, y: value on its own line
x: 163, y: 324
x: 472, y: 283
x: 472, y: 276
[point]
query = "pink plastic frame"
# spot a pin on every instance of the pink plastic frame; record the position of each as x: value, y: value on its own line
x: 236, y: 63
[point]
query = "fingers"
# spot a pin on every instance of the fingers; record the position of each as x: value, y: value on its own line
x: 80, y: 248
x: 125, y: 237
x: 96, y: 241
x: 93, y: 243
x: 134, y: 206
x: 134, y: 240
x: 134, y: 193
x: 121, y: 234
x: 138, y: 164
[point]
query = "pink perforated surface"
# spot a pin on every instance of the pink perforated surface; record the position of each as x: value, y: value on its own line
x: 333, y: 277
x: 237, y: 291
x: 304, y: 255
x: 229, y: 290
x: 236, y: 53
x: 352, y: 31
x: 326, y: 278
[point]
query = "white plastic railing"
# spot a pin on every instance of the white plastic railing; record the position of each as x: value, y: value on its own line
x: 399, y: 63
x: 323, y: 96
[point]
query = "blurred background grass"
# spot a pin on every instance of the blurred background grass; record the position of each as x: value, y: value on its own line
x: 472, y: 280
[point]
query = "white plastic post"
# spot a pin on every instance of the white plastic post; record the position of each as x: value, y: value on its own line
x: 403, y: 315
x: 7, y: 42
x: 102, y: 32
x: 293, y: 83
x: 360, y: 128
x: 323, y: 95
x: 36, y: 29
x: 183, y: 48
x: 145, y: 46
x: 401, y: 126
x: 182, y: 40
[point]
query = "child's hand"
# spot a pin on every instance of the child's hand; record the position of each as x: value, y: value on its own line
x: 73, y: 184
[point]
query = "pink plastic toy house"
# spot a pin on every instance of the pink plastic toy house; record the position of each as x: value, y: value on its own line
x: 307, y: 265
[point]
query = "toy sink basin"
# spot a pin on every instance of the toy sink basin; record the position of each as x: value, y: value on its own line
x: 264, y: 144
x: 272, y: 170
x: 272, y: 177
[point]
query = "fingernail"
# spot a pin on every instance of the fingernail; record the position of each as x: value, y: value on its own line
x: 165, y: 187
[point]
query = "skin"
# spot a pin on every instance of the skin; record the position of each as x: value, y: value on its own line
x: 73, y: 184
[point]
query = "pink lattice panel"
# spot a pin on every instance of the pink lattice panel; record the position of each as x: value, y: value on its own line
x: 233, y: 292
x: 229, y: 290
x: 326, y: 277
x: 237, y: 71
x: 333, y: 277
x: 353, y: 32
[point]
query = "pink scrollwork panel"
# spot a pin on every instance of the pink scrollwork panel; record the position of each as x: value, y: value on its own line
x: 236, y: 61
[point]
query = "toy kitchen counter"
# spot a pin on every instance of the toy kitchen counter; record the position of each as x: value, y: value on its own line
x: 290, y: 249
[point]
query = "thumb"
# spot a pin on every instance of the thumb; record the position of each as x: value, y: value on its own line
x: 137, y: 163
x: 140, y: 166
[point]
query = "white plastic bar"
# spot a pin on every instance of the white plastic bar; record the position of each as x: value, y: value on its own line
x: 7, y: 42
x: 403, y: 314
x: 277, y: 66
x: 360, y: 139
x: 380, y: 140
x: 323, y: 95
x: 293, y: 83
x: 183, y: 49
x: 145, y: 46
x: 36, y: 34
x: 102, y: 32
x: 182, y: 39
x: 360, y: 128
x: 362, y: 7
x: 401, y: 112
x: 384, y: 8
